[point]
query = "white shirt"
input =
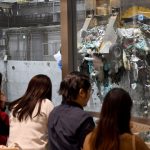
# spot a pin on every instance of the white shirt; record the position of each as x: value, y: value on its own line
x: 31, y: 134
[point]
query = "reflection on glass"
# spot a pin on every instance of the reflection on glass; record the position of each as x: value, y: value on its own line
x: 29, y: 39
x: 114, y: 50
x: 145, y: 136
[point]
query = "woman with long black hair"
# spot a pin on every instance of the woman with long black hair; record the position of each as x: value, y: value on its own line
x: 29, y: 115
x: 113, y: 131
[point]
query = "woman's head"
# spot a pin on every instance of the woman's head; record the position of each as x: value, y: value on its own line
x: 116, y: 109
x: 39, y: 88
x: 74, y: 87
x: 114, y: 120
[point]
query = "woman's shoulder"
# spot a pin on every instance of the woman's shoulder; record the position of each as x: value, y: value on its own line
x: 47, y: 105
x: 140, y: 144
x: 47, y: 101
x: 89, y: 136
x: 127, y: 138
x: 86, y: 145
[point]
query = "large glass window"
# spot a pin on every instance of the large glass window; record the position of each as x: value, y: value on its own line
x: 29, y: 40
x: 113, y: 48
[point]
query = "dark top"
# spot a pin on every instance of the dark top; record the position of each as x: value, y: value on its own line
x: 4, y: 127
x: 67, y: 127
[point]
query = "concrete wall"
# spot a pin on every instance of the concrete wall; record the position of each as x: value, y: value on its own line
x: 18, y: 73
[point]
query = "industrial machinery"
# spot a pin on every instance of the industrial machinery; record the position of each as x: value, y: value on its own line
x: 115, y: 51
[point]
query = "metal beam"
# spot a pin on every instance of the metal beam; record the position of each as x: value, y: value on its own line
x: 68, y: 36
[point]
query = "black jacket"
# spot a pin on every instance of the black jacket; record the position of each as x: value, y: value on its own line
x: 68, y: 125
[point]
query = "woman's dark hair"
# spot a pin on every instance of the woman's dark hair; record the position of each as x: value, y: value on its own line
x: 0, y: 80
x: 71, y: 85
x: 114, y: 120
x: 39, y: 88
x: 0, y: 90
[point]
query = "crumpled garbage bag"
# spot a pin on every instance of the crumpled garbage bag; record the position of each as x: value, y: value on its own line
x: 127, y: 33
x: 142, y: 45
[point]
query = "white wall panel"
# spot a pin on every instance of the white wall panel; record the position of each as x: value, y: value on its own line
x: 20, y: 72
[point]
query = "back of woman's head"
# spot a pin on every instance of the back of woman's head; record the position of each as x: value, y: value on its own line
x: 114, y: 120
x: 116, y: 109
x: 71, y: 85
x: 39, y: 88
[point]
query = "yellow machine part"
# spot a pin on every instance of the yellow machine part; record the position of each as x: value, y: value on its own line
x: 135, y: 10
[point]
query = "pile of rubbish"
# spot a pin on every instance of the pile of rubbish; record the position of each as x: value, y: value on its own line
x: 130, y: 53
x: 91, y: 40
